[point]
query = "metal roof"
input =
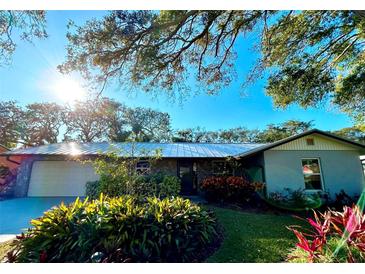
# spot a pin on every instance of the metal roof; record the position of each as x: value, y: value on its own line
x: 168, y: 150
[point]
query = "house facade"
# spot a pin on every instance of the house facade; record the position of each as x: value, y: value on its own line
x: 8, y: 169
x: 315, y: 161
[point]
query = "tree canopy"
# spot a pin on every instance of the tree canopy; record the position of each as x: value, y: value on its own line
x: 309, y: 57
x: 103, y: 119
x: 92, y: 120
x: 23, y: 25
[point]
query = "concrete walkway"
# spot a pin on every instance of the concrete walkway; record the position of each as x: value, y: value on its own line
x: 16, y: 214
x: 6, y: 237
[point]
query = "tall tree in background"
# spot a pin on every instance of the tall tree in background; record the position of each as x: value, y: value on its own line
x: 308, y: 56
x: 87, y: 121
x: 147, y: 124
x: 354, y: 133
x: 10, y: 121
x: 272, y: 133
x: 275, y: 132
x: 23, y: 25
x: 41, y: 123
x: 191, y: 135
x: 117, y: 125
x: 233, y: 135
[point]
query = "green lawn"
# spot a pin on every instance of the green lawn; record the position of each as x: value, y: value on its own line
x: 254, y: 237
x: 249, y: 237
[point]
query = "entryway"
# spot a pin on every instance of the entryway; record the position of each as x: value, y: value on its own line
x: 187, y: 175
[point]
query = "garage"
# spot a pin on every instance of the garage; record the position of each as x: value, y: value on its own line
x: 59, y: 178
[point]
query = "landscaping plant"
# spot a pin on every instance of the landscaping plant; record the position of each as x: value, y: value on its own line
x: 123, y: 229
x: 118, y: 176
x: 157, y: 185
x: 229, y: 189
x: 334, y: 237
x: 343, y: 199
x: 294, y: 200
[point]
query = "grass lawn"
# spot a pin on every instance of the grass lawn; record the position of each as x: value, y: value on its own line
x: 249, y: 237
x: 254, y: 237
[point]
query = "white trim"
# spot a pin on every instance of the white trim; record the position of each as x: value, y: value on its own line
x: 143, y: 170
x: 320, y: 173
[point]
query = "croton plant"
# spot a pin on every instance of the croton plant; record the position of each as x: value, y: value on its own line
x: 230, y: 188
x: 334, y: 237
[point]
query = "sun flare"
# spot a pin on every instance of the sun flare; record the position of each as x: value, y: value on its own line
x: 68, y: 90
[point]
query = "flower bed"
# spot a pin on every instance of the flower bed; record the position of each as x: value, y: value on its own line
x: 120, y: 229
x: 229, y: 189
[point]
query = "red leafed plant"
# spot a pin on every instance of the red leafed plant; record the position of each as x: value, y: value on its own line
x: 231, y: 188
x: 334, y: 237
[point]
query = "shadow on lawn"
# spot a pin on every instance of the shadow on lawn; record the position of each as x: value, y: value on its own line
x: 254, y: 237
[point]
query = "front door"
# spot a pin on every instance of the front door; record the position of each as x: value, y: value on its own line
x: 186, y: 175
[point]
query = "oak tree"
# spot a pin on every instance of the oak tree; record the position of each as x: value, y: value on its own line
x: 24, y: 25
x: 308, y: 57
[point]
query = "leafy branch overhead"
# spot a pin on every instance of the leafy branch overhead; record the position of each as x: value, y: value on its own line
x: 19, y: 25
x: 308, y: 56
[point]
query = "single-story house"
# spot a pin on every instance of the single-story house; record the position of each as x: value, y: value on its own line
x: 314, y: 160
x: 8, y: 169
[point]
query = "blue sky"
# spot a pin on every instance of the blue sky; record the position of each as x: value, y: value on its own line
x: 33, y: 67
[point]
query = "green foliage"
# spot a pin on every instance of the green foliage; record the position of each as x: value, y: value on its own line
x: 92, y: 189
x: 230, y: 189
x: 295, y: 200
x: 144, y: 187
x: 298, y: 255
x: 272, y: 133
x: 170, y: 186
x: 117, y: 171
x: 252, y: 237
x: 311, y: 56
x: 91, y: 120
x: 120, y: 229
x: 26, y: 25
x: 277, y: 132
x: 334, y: 237
x: 343, y: 199
x: 118, y: 176
x: 355, y: 133
x: 158, y: 185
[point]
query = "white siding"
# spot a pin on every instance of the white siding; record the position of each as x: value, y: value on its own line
x: 59, y: 178
x: 340, y: 169
x: 320, y: 143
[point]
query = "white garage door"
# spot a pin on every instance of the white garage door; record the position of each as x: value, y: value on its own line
x: 59, y: 178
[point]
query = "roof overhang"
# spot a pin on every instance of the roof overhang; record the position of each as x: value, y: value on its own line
x: 294, y: 137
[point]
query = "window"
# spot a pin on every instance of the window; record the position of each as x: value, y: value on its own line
x: 221, y: 168
x: 310, y: 141
x: 143, y: 167
x: 312, y: 174
x: 4, y: 172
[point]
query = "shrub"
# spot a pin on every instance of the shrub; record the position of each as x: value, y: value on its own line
x: 295, y: 200
x: 92, y: 189
x: 229, y: 189
x: 120, y: 229
x: 335, y: 237
x: 158, y: 185
x: 143, y: 186
x: 343, y: 199
x: 170, y: 186
x: 118, y: 173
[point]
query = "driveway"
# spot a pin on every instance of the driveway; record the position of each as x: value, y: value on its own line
x: 16, y: 214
